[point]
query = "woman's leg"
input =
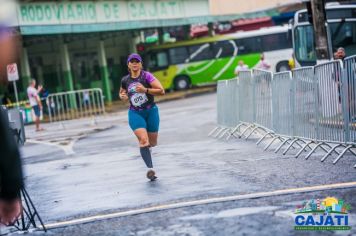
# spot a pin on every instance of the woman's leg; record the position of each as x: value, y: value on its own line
x: 153, y: 126
x: 142, y: 137
x: 152, y: 138
x: 138, y: 125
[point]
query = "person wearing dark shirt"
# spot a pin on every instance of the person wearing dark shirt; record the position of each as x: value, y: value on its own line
x: 11, y: 180
x: 10, y: 174
x: 140, y: 87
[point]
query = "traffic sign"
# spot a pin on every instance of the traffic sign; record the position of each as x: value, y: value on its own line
x: 12, y: 72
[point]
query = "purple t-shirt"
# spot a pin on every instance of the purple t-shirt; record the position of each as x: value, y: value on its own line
x: 138, y: 101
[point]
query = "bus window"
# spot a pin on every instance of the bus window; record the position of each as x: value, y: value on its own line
x: 224, y: 48
x: 304, y: 44
x: 200, y: 52
x: 275, y: 42
x: 158, y: 60
x: 249, y: 45
x: 240, y: 46
x: 344, y: 35
x: 178, y: 55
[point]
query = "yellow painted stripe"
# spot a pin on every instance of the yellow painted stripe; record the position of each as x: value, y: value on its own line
x: 200, y: 202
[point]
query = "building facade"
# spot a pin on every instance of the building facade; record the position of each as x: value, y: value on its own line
x: 70, y: 45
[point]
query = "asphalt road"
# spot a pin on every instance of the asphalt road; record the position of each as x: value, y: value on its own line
x: 86, y: 178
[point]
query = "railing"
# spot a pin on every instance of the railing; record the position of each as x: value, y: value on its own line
x: 308, y: 109
x: 75, y: 104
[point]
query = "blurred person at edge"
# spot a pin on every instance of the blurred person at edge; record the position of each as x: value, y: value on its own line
x: 11, y: 179
x: 340, y: 54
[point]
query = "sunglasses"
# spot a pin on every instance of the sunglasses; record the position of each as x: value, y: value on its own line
x: 134, y: 61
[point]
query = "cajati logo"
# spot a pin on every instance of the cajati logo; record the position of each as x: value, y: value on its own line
x: 328, y: 214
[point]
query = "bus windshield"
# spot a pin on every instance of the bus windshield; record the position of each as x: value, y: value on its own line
x: 343, y: 34
x: 304, y: 44
x: 341, y: 29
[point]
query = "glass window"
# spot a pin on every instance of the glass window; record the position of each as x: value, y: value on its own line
x: 275, y: 42
x: 224, y: 48
x: 162, y: 59
x: 304, y: 44
x: 240, y: 46
x: 341, y: 13
x: 178, y: 55
x: 249, y: 45
x: 200, y: 52
x: 344, y: 35
x: 157, y: 60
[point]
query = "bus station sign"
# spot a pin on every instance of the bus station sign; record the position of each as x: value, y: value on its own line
x: 88, y: 12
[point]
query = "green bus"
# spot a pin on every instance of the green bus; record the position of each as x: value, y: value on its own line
x: 204, y: 61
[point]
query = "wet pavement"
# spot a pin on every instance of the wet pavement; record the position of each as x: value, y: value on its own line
x: 92, y: 167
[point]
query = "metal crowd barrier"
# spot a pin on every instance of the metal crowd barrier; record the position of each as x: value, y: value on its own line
x: 282, y: 95
x: 75, y: 104
x: 304, y: 102
x: 246, y: 101
x: 221, y: 98
x: 263, y: 97
x: 329, y: 117
x: 308, y: 109
x: 246, y: 95
x: 349, y: 90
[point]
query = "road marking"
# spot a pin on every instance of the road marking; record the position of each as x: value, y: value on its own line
x: 200, y: 202
x: 68, y: 149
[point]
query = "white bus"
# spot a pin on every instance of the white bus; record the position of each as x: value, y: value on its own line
x: 341, y: 28
x: 274, y: 42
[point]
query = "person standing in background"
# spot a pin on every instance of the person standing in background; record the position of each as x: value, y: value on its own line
x: 340, y: 54
x: 240, y: 67
x: 35, y: 101
x: 263, y: 64
x: 291, y: 62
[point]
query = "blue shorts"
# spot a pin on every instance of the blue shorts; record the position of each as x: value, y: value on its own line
x: 37, y: 111
x: 148, y: 119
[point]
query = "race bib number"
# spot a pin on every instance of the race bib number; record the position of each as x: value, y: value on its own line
x: 138, y: 99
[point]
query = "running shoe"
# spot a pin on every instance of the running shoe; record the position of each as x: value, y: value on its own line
x: 151, y: 175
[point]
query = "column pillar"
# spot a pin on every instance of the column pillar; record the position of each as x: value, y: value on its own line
x: 67, y: 74
x: 25, y: 68
x: 104, y: 72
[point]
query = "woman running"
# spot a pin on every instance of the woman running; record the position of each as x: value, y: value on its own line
x: 139, y: 87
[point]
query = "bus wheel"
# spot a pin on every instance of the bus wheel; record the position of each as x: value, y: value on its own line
x: 282, y: 66
x: 181, y: 83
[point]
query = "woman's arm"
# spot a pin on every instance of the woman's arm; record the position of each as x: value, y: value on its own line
x: 123, y: 94
x: 156, y: 89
